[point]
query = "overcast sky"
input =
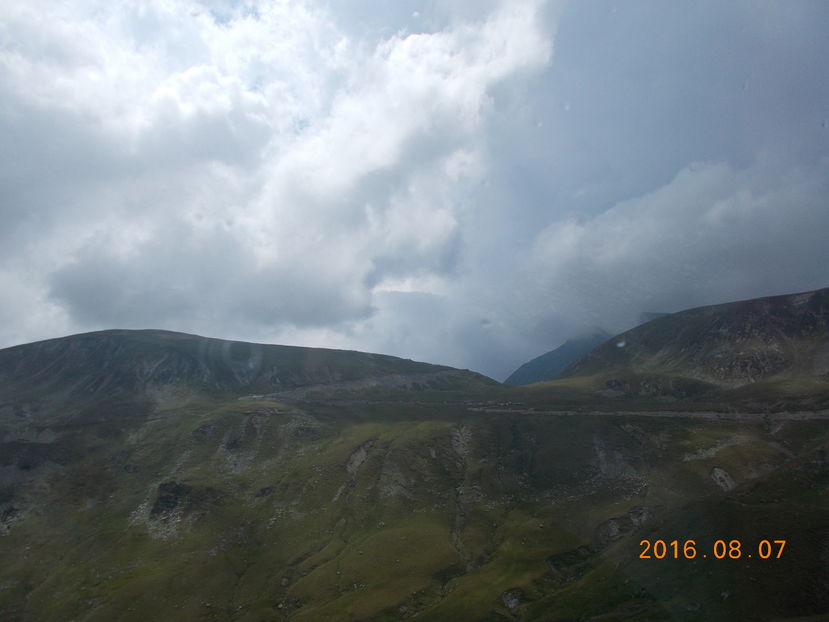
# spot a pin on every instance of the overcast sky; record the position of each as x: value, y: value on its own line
x: 466, y: 183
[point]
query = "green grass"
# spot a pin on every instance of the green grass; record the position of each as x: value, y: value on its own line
x: 262, y: 524
x: 390, y: 504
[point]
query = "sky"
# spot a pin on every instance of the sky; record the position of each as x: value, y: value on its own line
x: 463, y: 183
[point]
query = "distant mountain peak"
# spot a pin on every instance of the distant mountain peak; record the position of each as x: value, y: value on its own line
x: 134, y: 362
x: 548, y: 366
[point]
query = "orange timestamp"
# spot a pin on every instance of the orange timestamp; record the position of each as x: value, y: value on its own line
x: 720, y: 549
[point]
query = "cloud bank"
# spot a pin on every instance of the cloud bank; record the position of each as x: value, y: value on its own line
x: 461, y: 184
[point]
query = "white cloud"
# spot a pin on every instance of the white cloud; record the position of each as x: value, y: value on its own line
x: 712, y: 229
x: 30, y: 315
x: 263, y: 168
x: 341, y: 173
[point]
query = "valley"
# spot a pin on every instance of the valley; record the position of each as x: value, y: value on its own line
x: 256, y: 510
x: 154, y: 475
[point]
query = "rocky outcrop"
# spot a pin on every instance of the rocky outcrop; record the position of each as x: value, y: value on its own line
x: 722, y: 479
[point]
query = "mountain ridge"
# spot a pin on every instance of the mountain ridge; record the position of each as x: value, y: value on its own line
x: 729, y: 345
x: 121, y: 499
x: 128, y: 361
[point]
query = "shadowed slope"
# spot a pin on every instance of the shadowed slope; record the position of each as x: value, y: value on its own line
x: 126, y: 362
x: 549, y: 366
x: 730, y: 344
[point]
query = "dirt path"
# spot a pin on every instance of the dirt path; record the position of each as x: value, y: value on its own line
x: 667, y: 414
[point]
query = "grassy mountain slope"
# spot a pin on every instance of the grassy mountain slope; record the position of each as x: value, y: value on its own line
x: 730, y: 344
x: 115, y: 361
x: 762, y: 350
x: 146, y: 369
x: 135, y: 491
x: 260, y: 510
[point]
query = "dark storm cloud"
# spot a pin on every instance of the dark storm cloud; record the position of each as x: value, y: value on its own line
x: 639, y: 90
x: 173, y: 281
